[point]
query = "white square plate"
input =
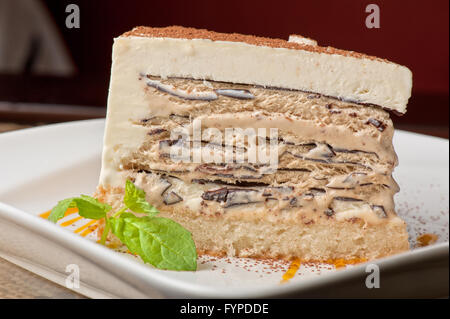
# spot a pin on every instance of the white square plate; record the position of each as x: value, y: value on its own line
x: 40, y: 166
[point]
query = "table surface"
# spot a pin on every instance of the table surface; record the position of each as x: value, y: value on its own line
x: 16, y: 282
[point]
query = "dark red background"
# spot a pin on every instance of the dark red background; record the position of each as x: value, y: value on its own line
x: 412, y: 33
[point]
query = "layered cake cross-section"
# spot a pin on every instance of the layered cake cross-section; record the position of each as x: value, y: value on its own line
x: 260, y: 147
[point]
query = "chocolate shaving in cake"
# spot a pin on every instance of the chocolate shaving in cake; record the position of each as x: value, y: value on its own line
x: 242, y: 196
x: 202, y: 181
x: 157, y: 131
x: 294, y: 202
x: 167, y: 185
x: 237, y: 94
x: 288, y: 169
x: 171, y: 198
x: 379, y: 211
x: 231, y: 196
x: 329, y: 106
x: 343, y: 150
x: 218, y: 195
x: 347, y: 199
x: 329, y: 212
x: 378, y: 124
x: 313, y: 96
x: 340, y: 188
x: 366, y: 184
x: 187, y: 95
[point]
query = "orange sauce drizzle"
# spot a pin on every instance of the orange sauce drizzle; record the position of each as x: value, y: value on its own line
x: 340, y: 263
x: 45, y: 215
x: 89, y: 230
x: 426, y: 239
x: 84, y: 230
x: 337, y: 263
x: 292, y: 270
x: 70, y: 222
x: 85, y: 226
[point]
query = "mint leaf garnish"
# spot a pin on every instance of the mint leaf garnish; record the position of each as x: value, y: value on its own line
x: 60, y: 209
x: 127, y: 234
x: 158, y: 241
x: 134, y: 199
x: 90, y: 207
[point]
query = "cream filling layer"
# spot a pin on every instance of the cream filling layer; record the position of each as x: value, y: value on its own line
x: 337, y: 136
x: 307, y: 207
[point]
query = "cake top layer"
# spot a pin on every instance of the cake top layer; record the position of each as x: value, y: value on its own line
x: 178, y: 32
x: 297, y: 64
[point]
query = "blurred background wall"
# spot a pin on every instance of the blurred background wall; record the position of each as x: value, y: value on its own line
x: 35, y: 90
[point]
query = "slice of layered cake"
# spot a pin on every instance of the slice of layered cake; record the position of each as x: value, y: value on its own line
x: 260, y: 147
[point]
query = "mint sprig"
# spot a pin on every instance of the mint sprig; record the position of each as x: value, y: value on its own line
x: 159, y: 241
